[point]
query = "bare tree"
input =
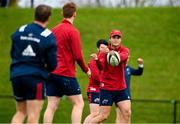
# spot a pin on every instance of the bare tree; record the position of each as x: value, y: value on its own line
x: 124, y: 3
x: 32, y: 3
x: 98, y: 2
x: 13, y: 2
x: 152, y: 2
x: 171, y: 2
x: 136, y: 2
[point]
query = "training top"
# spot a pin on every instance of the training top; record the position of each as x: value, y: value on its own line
x: 113, y: 78
x: 94, y: 80
x: 131, y: 71
x: 69, y: 49
x: 33, y: 51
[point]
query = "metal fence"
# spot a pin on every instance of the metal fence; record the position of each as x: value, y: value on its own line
x: 173, y: 102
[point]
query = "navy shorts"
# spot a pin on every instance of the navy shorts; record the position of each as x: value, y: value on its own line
x: 93, y: 97
x: 108, y: 97
x: 28, y: 88
x: 60, y: 85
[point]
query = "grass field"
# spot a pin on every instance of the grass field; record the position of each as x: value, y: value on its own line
x: 150, y: 33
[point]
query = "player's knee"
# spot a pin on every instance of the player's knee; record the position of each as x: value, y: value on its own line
x: 104, y: 117
x: 21, y: 110
x: 127, y: 113
x: 80, y: 104
x: 52, y: 107
x: 22, y: 113
x: 33, y: 118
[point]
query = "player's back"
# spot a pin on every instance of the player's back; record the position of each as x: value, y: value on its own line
x: 28, y: 53
x: 68, y: 42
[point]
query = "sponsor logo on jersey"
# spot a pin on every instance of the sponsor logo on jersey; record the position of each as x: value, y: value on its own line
x: 30, y: 38
x: 105, y: 101
x: 92, y: 89
x: 96, y: 100
x: 28, y: 51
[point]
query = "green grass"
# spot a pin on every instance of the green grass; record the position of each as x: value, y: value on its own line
x: 150, y: 33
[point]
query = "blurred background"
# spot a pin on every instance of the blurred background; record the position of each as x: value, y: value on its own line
x: 151, y: 29
x: 92, y: 3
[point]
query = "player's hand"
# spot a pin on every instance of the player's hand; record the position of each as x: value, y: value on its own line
x: 94, y: 56
x: 140, y: 61
x: 89, y: 72
x: 106, y: 49
x: 111, y: 52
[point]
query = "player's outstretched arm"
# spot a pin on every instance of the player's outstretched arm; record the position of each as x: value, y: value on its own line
x: 140, y: 69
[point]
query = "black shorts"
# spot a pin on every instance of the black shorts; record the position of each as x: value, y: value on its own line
x: 60, y: 85
x: 28, y: 88
x: 93, y: 97
x: 108, y: 97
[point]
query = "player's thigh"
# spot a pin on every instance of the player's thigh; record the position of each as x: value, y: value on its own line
x: 118, y: 112
x: 94, y: 108
x: 76, y: 99
x: 53, y: 102
x: 124, y: 106
x: 105, y: 111
x: 122, y: 100
x: 93, y: 99
x: 21, y: 106
x: 34, y: 106
x: 106, y: 102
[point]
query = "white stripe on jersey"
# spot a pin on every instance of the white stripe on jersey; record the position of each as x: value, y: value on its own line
x: 46, y: 32
x: 21, y: 29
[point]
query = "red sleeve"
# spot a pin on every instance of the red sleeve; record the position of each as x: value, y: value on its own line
x: 77, y: 51
x: 101, y: 60
x: 124, y: 53
x: 94, y: 70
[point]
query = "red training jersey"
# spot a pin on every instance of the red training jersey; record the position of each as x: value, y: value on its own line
x: 68, y: 49
x: 113, y: 78
x: 94, y: 80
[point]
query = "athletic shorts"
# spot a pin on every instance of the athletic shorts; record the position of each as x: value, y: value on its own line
x: 28, y: 87
x: 108, y: 97
x: 60, y: 85
x: 93, y: 97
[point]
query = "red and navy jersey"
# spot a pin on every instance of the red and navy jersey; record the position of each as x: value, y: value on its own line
x: 131, y: 71
x: 94, y: 80
x: 113, y: 78
x: 69, y: 49
x: 33, y: 51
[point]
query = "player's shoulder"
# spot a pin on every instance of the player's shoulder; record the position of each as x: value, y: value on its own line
x: 73, y: 29
x: 19, y: 30
x: 47, y: 36
x: 46, y: 33
x: 124, y: 48
x: 22, y: 28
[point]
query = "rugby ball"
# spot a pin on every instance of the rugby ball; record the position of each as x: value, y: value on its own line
x: 113, y: 58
